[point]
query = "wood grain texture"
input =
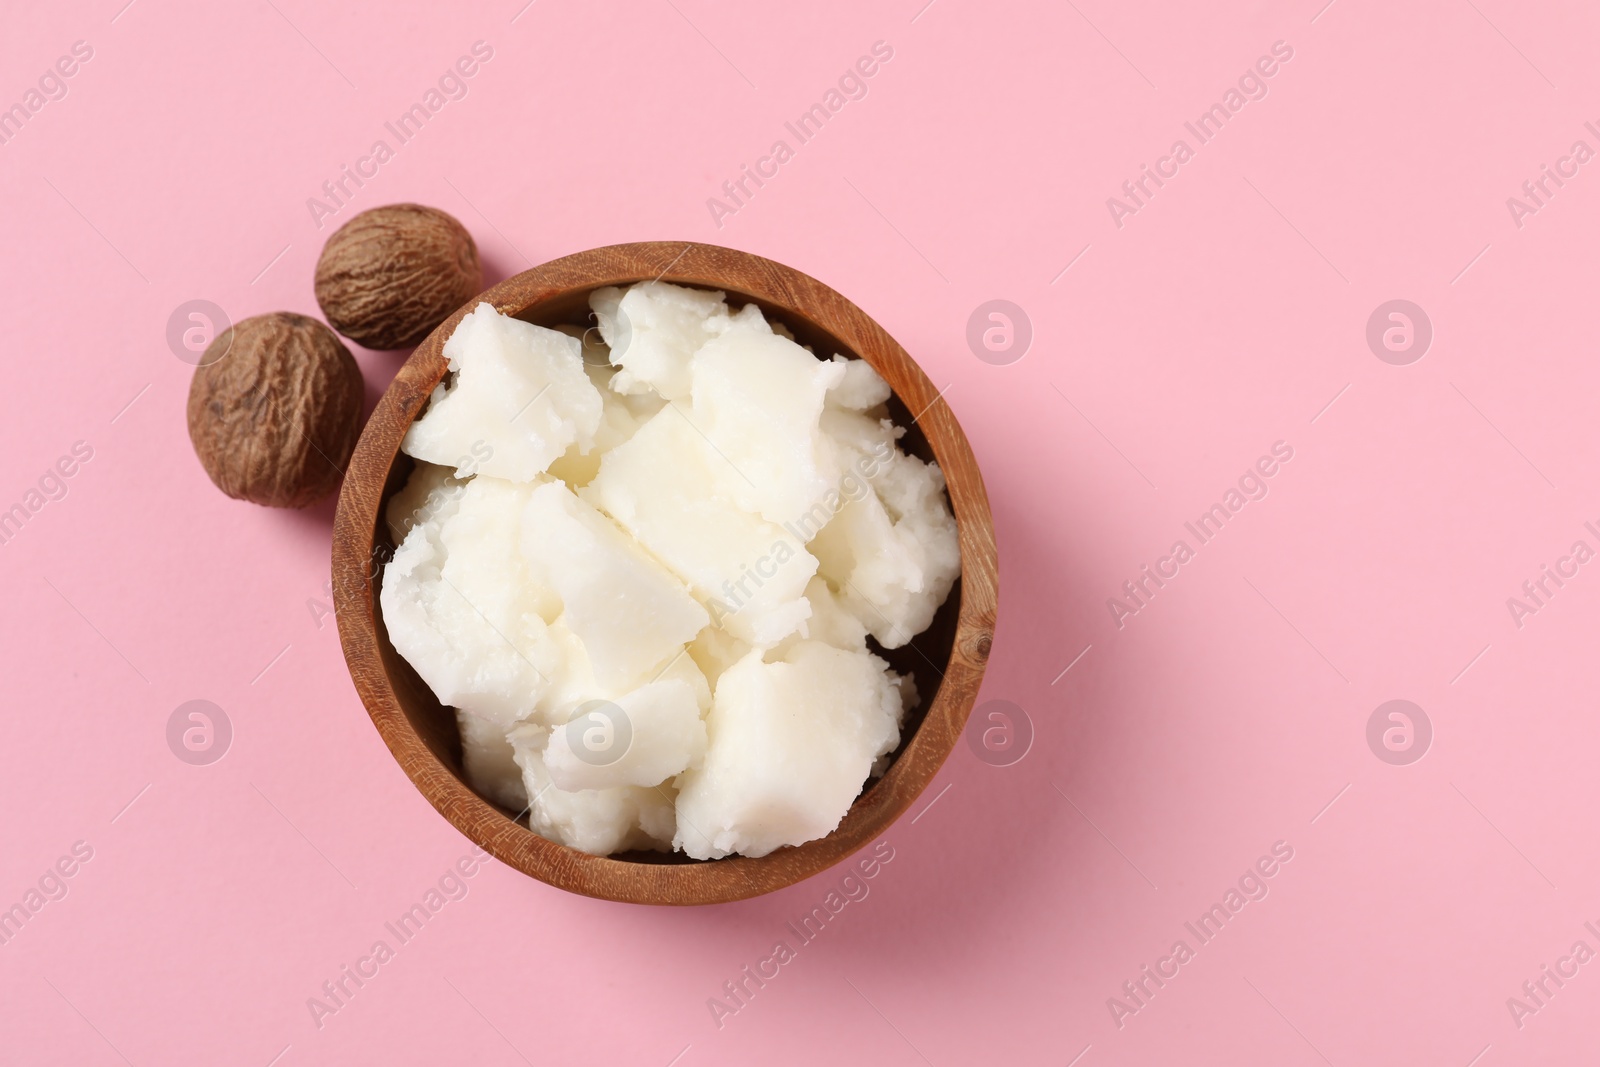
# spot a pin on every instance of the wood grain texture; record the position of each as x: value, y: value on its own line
x: 422, y: 735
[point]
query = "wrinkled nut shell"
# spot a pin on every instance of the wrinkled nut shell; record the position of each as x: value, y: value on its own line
x: 275, y: 419
x: 390, y: 275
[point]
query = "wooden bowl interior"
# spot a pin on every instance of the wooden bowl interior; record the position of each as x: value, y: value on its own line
x: 924, y: 657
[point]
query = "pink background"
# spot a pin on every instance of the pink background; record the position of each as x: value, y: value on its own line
x: 1227, y: 715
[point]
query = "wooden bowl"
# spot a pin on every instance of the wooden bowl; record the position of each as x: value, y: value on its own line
x: 422, y: 734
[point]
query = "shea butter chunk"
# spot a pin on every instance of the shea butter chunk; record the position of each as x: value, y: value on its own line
x: 758, y: 398
x: 791, y: 743
x: 520, y: 399
x: 629, y: 612
x: 573, y: 684
x: 429, y: 497
x: 893, y: 553
x: 831, y: 621
x: 859, y: 388
x: 597, y: 821
x: 490, y: 761
x: 641, y: 738
x: 667, y: 487
x: 463, y: 609
x: 654, y: 329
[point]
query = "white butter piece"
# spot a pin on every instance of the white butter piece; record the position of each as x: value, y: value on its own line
x: 629, y: 612
x: 791, y: 744
x: 597, y: 821
x: 462, y: 607
x: 892, y: 553
x: 859, y: 388
x: 490, y: 762
x: 641, y: 738
x: 519, y: 399
x: 653, y: 330
x: 758, y: 398
x: 667, y: 487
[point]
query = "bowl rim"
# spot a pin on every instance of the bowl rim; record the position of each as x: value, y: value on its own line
x: 805, y: 299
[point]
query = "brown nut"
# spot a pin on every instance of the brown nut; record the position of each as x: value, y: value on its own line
x: 274, y: 410
x: 390, y: 275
